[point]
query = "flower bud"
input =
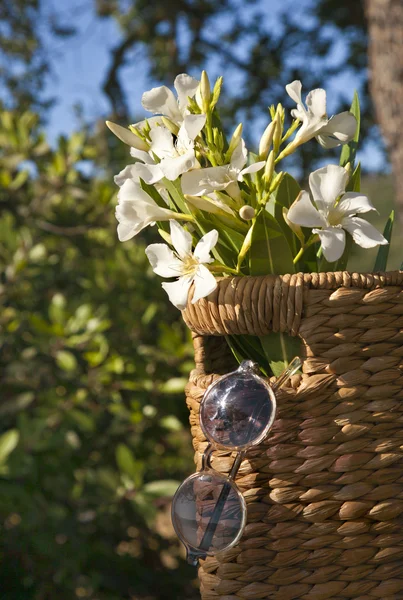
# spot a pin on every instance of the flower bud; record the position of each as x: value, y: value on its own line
x: 205, y: 91
x: 278, y: 132
x: 247, y: 213
x: 269, y: 168
x: 266, y: 139
x: 216, y: 92
x: 170, y: 125
x: 126, y: 136
x: 294, y: 228
x: 276, y: 181
x: 236, y: 138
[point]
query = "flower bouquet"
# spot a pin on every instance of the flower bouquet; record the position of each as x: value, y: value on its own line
x: 252, y: 257
x: 223, y: 211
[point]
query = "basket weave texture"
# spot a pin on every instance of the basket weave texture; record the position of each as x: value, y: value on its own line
x: 325, y: 490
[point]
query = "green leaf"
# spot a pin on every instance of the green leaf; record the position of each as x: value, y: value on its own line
x: 128, y: 464
x: 8, y: 443
x: 349, y: 150
x: 66, y: 360
x: 270, y: 252
x: 285, y: 195
x: 354, y: 184
x: 157, y: 489
x: 280, y: 349
x: 383, y: 252
x: 175, y: 385
x: 84, y: 421
x: 171, y: 423
x: 248, y: 347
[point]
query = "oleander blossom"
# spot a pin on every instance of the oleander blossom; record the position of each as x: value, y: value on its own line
x: 339, y: 129
x: 161, y: 100
x: 334, y: 212
x: 177, y: 157
x: 188, y: 267
x: 200, y: 182
x: 136, y: 210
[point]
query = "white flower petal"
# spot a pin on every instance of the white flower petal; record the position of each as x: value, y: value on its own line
x: 205, y: 245
x: 353, y: 203
x: 327, y: 184
x: 294, y: 91
x: 191, y: 183
x: 137, y: 210
x: 162, y: 142
x: 126, y: 136
x: 239, y: 156
x: 251, y: 169
x: 339, y: 130
x: 176, y: 166
x: 204, y: 283
x: 161, y: 100
x: 178, y: 291
x: 186, y: 87
x: 302, y: 212
x: 203, y: 181
x: 149, y: 173
x: 126, y: 173
x: 126, y: 231
x: 327, y: 141
x: 363, y: 233
x: 316, y: 103
x: 181, y: 239
x: 141, y: 155
x: 163, y: 260
x: 193, y: 124
x: 333, y: 240
x: 132, y: 192
x: 130, y: 221
x: 298, y: 114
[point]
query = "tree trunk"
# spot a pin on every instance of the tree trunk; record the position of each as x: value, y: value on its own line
x: 385, y: 28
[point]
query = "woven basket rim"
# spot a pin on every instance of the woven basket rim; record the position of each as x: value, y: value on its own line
x: 256, y: 305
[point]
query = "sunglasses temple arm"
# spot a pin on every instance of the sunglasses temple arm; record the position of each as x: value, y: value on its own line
x: 219, y: 507
x: 292, y: 368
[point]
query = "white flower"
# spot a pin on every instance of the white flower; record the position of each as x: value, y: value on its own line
x: 183, y: 264
x: 147, y: 169
x: 200, y: 182
x: 330, y: 133
x: 136, y: 210
x: 161, y: 100
x: 126, y: 136
x: 333, y: 216
x: 179, y: 157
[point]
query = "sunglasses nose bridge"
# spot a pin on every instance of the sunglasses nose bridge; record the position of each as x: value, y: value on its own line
x: 206, y: 458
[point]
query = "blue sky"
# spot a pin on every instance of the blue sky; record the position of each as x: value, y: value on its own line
x: 80, y: 64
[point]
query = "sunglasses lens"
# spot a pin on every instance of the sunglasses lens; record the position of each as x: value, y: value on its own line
x: 208, y: 512
x: 238, y: 410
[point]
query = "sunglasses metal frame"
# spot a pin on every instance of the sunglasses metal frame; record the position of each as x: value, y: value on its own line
x: 193, y: 553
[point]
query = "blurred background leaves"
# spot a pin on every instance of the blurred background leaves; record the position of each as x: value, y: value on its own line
x: 94, y: 435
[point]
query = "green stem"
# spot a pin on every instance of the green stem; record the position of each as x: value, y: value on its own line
x: 311, y: 241
x: 298, y: 256
x: 185, y: 217
x: 224, y: 269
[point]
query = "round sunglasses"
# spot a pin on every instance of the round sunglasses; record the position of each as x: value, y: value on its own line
x: 236, y: 413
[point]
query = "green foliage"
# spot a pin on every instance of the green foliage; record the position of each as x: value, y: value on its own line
x: 349, y: 150
x: 383, y: 252
x: 94, y: 434
x: 270, y: 252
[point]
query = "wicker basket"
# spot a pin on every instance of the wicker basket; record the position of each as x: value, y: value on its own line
x: 325, y: 491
